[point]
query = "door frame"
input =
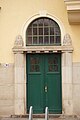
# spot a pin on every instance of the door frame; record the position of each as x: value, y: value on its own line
x: 20, y: 77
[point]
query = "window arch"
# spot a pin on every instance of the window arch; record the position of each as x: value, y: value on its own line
x: 43, y: 31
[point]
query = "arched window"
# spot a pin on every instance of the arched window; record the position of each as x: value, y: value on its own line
x: 43, y: 31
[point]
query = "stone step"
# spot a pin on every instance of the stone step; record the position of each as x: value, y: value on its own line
x: 38, y: 116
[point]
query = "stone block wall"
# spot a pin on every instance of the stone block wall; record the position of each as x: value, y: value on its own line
x: 76, y: 88
x: 6, y: 89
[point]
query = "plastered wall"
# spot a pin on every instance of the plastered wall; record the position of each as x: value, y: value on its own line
x: 14, y: 14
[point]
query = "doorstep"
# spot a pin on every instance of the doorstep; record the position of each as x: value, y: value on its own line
x: 38, y: 116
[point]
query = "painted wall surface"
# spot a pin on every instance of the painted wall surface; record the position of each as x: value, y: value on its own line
x: 75, y: 35
x: 14, y: 14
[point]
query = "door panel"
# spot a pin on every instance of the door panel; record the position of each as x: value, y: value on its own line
x: 44, y: 82
x: 53, y: 81
x: 35, y: 83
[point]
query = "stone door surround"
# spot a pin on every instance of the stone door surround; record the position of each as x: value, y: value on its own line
x: 20, y: 52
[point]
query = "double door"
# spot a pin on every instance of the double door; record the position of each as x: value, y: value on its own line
x: 44, y: 82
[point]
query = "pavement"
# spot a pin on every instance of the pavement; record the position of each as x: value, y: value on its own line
x: 51, y: 118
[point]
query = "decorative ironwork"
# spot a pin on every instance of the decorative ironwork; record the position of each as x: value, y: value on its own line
x: 34, y: 64
x: 53, y: 64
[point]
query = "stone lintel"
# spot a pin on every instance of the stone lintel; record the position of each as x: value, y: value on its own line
x: 40, y: 49
x: 17, y: 50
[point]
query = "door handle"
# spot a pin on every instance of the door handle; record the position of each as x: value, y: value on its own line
x: 46, y: 88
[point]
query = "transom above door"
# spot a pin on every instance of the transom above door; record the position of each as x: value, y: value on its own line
x: 43, y: 31
x: 44, y: 82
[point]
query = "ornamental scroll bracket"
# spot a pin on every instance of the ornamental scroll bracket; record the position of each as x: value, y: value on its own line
x: 67, y: 41
x: 19, y: 41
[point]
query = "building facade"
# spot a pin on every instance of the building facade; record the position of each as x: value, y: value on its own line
x: 39, y: 57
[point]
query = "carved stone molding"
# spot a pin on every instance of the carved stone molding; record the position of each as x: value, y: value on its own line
x: 20, y: 48
x: 19, y: 41
x: 73, y: 10
x: 67, y: 40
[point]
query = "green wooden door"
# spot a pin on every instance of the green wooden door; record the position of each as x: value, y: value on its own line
x: 44, y: 82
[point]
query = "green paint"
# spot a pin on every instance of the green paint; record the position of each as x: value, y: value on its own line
x: 44, y: 82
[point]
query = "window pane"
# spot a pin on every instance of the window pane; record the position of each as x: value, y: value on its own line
x: 40, y: 31
x: 40, y: 22
x: 50, y: 61
x: 37, y: 68
x: 57, y: 39
x: 34, y: 40
x: 51, y: 30
x: 29, y: 40
x: 57, y: 31
x: 55, y: 60
x: 51, y: 39
x: 37, y: 61
x: 35, y: 24
x: 32, y: 61
x: 51, y: 23
x: 32, y: 68
x: 55, y: 68
x: 46, y: 31
x: 46, y: 22
x: 34, y: 31
x: 50, y: 68
x: 41, y: 40
x: 46, y: 39
x: 29, y: 31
